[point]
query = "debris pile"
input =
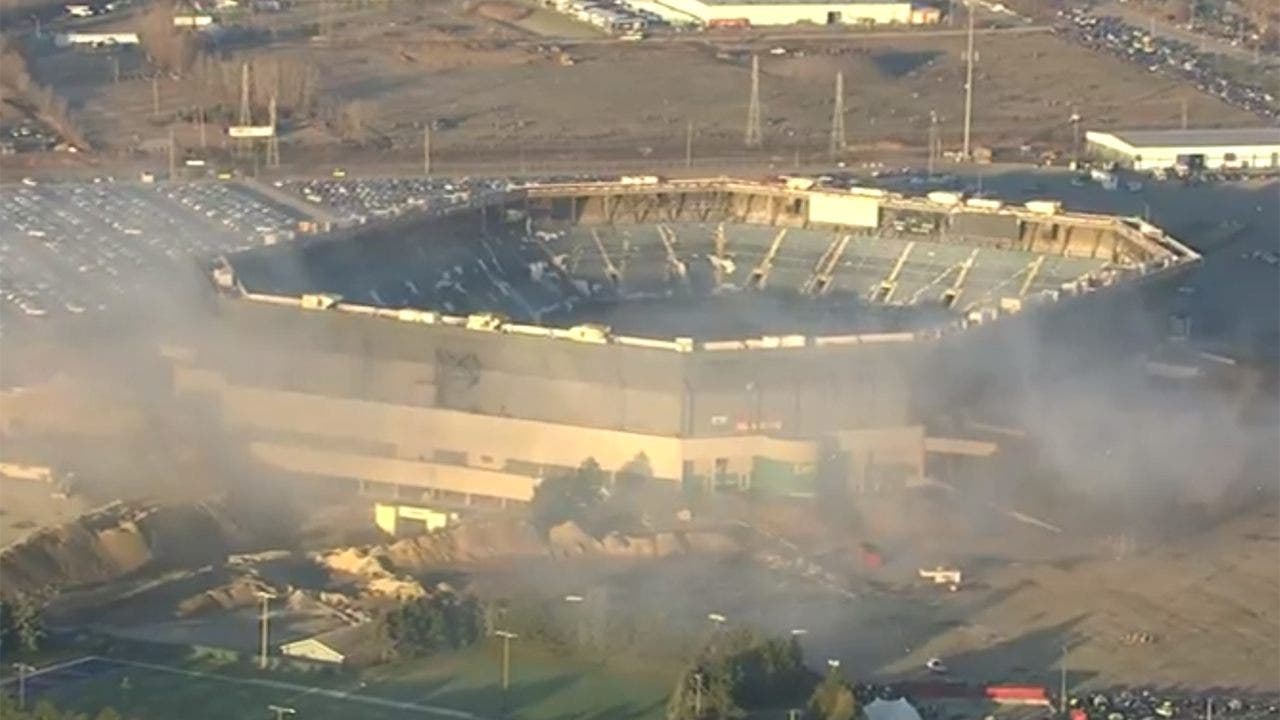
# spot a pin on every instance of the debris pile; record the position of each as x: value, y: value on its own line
x: 113, y: 541
x: 569, y: 539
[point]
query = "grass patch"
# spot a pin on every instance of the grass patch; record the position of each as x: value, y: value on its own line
x: 545, y: 685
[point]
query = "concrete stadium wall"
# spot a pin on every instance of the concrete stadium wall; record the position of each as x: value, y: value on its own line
x: 796, y: 392
x: 406, y: 447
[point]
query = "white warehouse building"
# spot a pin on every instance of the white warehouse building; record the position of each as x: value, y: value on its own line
x: 790, y: 12
x: 1144, y: 150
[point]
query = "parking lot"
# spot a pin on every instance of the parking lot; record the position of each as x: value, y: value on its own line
x: 357, y: 201
x: 1161, y: 54
x: 75, y: 248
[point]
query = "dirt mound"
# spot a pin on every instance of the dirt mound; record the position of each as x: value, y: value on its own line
x: 113, y: 541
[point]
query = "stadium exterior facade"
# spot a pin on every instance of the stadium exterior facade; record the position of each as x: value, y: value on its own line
x: 478, y: 403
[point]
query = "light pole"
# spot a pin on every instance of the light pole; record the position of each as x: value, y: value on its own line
x: 281, y: 711
x: 577, y: 601
x: 1062, y: 688
x: 264, y: 629
x: 970, y: 58
x: 717, y: 620
x: 1075, y: 138
x: 23, y: 670
x: 507, y: 637
x: 697, y: 695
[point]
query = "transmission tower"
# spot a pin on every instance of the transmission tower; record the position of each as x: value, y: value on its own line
x: 754, y: 137
x: 837, y: 118
x: 273, y: 142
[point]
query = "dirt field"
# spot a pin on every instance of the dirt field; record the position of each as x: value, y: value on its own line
x: 502, y: 95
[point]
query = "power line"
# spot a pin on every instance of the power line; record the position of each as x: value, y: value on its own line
x: 753, y: 136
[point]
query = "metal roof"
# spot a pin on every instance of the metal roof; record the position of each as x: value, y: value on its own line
x: 1199, y: 137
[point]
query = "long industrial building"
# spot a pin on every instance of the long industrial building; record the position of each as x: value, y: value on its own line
x: 790, y: 12
x: 1210, y: 149
x: 749, y: 335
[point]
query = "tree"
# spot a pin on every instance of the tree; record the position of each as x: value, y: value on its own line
x: 21, y: 624
x: 703, y: 693
x: 432, y: 624
x: 738, y: 672
x: 171, y: 49
x: 833, y: 699
x: 567, y: 497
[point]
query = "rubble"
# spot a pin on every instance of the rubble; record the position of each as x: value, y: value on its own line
x: 113, y: 541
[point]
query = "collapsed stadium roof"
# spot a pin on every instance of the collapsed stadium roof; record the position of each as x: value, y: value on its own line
x: 709, y: 265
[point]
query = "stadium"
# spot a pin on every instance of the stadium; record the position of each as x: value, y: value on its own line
x: 753, y: 335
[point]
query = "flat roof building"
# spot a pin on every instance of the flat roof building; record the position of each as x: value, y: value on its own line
x: 1194, y: 149
x: 790, y: 12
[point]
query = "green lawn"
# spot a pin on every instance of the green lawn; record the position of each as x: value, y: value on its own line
x: 544, y: 686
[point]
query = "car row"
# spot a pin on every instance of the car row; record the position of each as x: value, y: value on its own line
x: 74, y: 248
x: 1160, y: 54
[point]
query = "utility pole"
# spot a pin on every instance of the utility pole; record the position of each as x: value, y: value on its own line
x: 837, y: 118
x: 933, y: 140
x: 970, y: 58
x: 172, y: 160
x: 266, y: 598
x: 1184, y: 112
x: 273, y: 142
x: 1208, y: 709
x: 426, y: 149
x: 753, y: 137
x: 115, y: 69
x: 23, y: 670
x: 155, y: 96
x: 281, y: 711
x: 200, y: 117
x: 697, y: 695
x: 1062, y: 687
x: 688, y: 144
